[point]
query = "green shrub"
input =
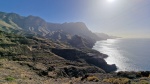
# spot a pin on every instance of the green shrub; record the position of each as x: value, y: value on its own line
x: 10, y: 78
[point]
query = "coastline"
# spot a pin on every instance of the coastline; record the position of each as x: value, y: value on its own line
x: 105, y: 56
x: 126, y: 53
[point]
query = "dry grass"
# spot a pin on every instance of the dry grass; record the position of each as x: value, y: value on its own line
x: 93, y: 78
x: 117, y: 80
x: 144, y: 82
x: 5, y: 24
x: 13, y: 73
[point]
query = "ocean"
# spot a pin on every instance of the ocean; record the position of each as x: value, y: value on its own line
x: 127, y: 54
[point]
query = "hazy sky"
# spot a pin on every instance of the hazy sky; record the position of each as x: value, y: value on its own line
x: 126, y: 18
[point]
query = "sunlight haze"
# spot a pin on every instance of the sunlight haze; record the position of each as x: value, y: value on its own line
x: 123, y: 18
x: 111, y: 0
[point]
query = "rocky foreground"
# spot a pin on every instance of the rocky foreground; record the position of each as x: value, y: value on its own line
x: 63, y: 72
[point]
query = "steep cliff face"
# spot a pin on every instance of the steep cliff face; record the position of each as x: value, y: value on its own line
x: 79, y: 42
x: 76, y: 55
x: 77, y: 28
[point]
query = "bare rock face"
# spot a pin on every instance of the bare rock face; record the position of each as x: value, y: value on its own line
x: 145, y: 73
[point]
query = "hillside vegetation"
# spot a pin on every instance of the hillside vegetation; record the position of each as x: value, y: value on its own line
x: 33, y: 51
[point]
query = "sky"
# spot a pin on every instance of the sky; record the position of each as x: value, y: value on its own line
x: 123, y: 18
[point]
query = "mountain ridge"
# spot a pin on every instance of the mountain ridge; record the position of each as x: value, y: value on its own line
x: 39, y: 26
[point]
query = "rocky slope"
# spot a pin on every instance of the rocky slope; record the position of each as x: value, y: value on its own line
x: 41, y: 55
x: 37, y: 60
x: 37, y: 52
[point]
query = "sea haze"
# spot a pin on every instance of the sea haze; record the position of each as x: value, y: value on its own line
x: 127, y: 54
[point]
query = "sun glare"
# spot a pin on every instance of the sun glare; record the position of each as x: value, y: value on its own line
x: 110, y: 0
